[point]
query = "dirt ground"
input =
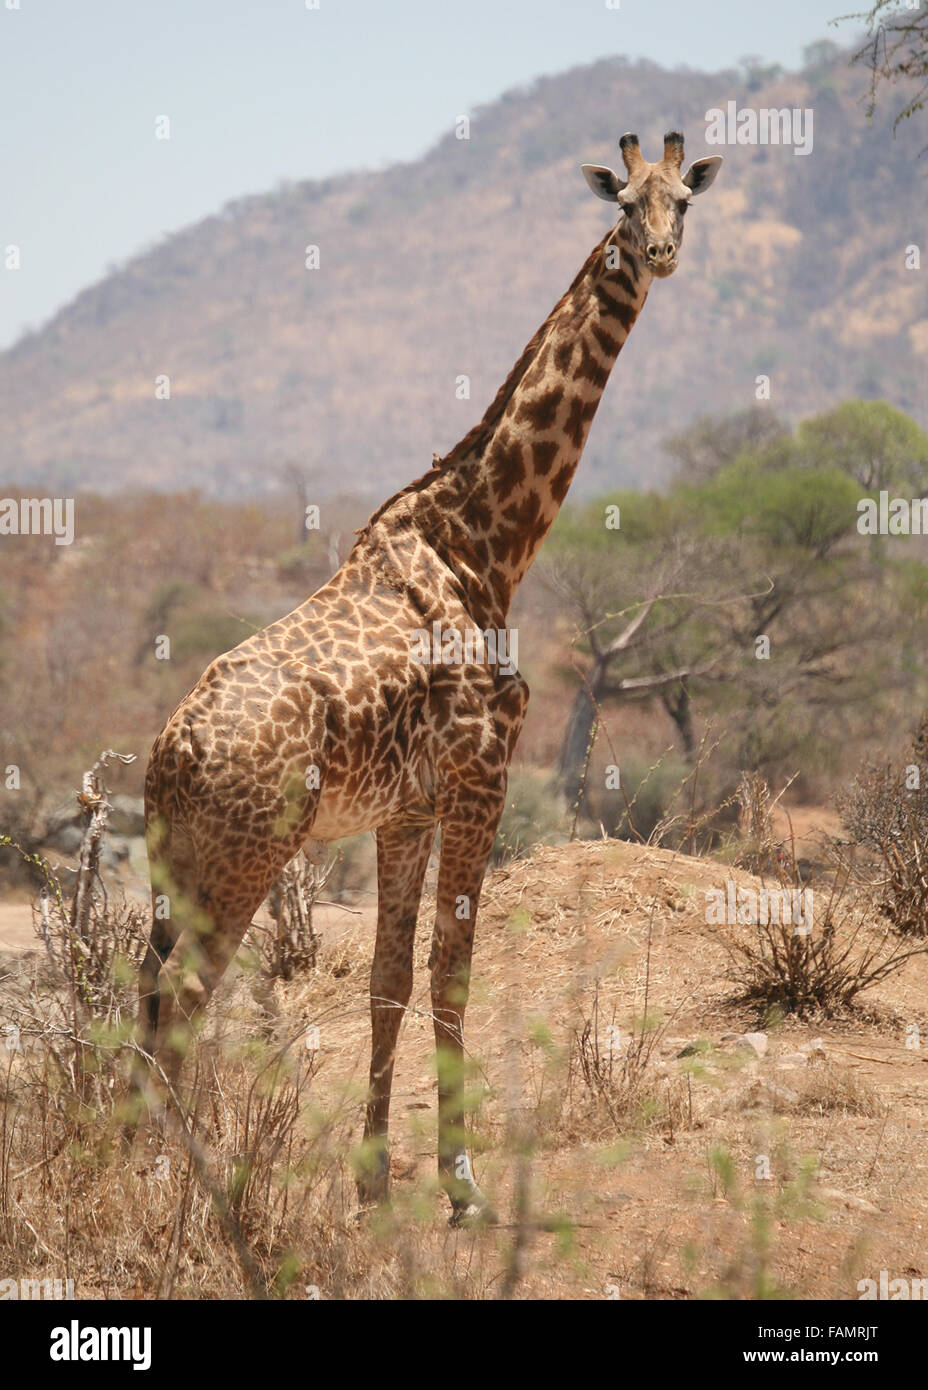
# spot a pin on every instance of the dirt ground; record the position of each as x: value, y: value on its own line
x: 800, y: 1171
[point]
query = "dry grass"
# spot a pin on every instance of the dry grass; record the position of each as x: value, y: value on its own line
x: 620, y: 1074
x: 612, y: 1159
x: 829, y: 1088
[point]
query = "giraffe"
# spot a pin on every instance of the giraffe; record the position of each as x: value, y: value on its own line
x: 329, y: 722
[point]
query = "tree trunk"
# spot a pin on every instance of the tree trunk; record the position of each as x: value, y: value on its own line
x: 576, y: 738
x: 677, y: 704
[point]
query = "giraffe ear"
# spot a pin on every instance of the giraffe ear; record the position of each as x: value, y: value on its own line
x: 701, y: 173
x: 604, y: 182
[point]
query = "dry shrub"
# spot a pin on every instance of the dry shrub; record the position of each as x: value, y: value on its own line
x: 828, y: 1088
x: 623, y: 1088
x: 212, y: 1191
x: 227, y: 1201
x: 782, y: 971
x: 886, y: 817
x: 797, y: 966
x: 292, y: 947
x: 243, y: 1187
x: 249, y: 1195
x: 668, y: 808
x: 623, y: 1084
x: 251, y: 1114
x: 94, y: 944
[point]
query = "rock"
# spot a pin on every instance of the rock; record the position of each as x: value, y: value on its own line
x: 763, y: 1093
x: 138, y: 855
x: 849, y: 1200
x: 814, y: 1051
x: 67, y: 814
x: 115, y: 851
x: 67, y: 839
x: 65, y: 826
x: 127, y: 816
x: 756, y: 1042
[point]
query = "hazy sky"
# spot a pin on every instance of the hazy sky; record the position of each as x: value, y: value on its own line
x: 261, y: 90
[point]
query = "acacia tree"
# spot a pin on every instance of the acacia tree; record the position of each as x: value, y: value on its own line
x: 642, y: 602
x: 896, y: 52
x: 871, y: 441
x: 641, y: 641
x: 713, y: 442
x: 747, y: 593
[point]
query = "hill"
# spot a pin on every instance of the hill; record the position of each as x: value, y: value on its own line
x: 446, y: 265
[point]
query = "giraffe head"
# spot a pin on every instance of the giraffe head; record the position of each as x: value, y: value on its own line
x: 654, y: 197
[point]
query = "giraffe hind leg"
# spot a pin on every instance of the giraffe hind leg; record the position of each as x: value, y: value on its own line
x: 194, y: 936
x: 188, y: 978
x: 173, y: 874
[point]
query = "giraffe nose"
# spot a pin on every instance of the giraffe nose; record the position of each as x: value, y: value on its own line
x: 661, y: 252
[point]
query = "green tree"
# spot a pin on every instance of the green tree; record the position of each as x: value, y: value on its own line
x: 877, y: 445
x: 747, y: 592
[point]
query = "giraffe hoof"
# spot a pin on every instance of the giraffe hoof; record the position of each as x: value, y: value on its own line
x: 372, y: 1201
x: 476, y: 1211
x: 373, y: 1194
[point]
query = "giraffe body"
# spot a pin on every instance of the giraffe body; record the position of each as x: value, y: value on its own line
x: 327, y: 723
x: 324, y: 724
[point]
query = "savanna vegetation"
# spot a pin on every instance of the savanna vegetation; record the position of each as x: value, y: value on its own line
x: 740, y: 609
x: 706, y: 662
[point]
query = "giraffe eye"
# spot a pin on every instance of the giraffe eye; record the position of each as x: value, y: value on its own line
x: 628, y: 208
x: 682, y: 205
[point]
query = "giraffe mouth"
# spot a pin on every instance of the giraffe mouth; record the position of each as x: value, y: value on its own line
x: 660, y: 269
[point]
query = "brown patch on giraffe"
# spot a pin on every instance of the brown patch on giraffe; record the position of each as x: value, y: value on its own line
x: 625, y: 314
x: 574, y: 423
x: 629, y: 263
x: 508, y: 469
x: 624, y: 282
x: 561, y: 482
x: 588, y: 369
x: 606, y: 340
x: 499, y: 543
x: 562, y: 355
x: 540, y: 412
x: 544, y: 452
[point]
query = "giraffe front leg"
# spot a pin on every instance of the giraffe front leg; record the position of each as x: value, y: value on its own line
x: 402, y: 856
x: 466, y: 843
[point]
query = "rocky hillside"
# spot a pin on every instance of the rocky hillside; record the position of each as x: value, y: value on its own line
x: 793, y: 266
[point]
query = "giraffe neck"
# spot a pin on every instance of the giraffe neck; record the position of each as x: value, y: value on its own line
x: 488, y: 505
x: 518, y: 462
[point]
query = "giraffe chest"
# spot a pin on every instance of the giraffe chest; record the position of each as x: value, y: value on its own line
x: 400, y: 781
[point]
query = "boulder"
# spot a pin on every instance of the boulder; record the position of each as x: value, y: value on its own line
x: 127, y: 816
